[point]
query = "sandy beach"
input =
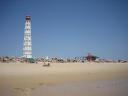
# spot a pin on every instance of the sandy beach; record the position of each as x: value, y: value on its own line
x: 64, y: 79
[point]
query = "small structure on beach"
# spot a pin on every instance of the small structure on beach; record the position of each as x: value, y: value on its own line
x: 91, y: 57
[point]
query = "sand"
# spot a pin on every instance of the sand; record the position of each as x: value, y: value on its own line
x: 64, y: 79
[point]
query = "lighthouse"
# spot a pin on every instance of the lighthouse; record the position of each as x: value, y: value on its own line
x: 27, y: 44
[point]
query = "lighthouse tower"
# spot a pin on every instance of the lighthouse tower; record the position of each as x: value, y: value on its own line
x: 27, y: 46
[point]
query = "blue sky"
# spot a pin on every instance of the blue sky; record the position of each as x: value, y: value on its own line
x: 66, y: 28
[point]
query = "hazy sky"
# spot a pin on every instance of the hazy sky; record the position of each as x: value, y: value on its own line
x: 66, y: 28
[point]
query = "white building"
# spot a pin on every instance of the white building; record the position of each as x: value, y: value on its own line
x: 27, y: 46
